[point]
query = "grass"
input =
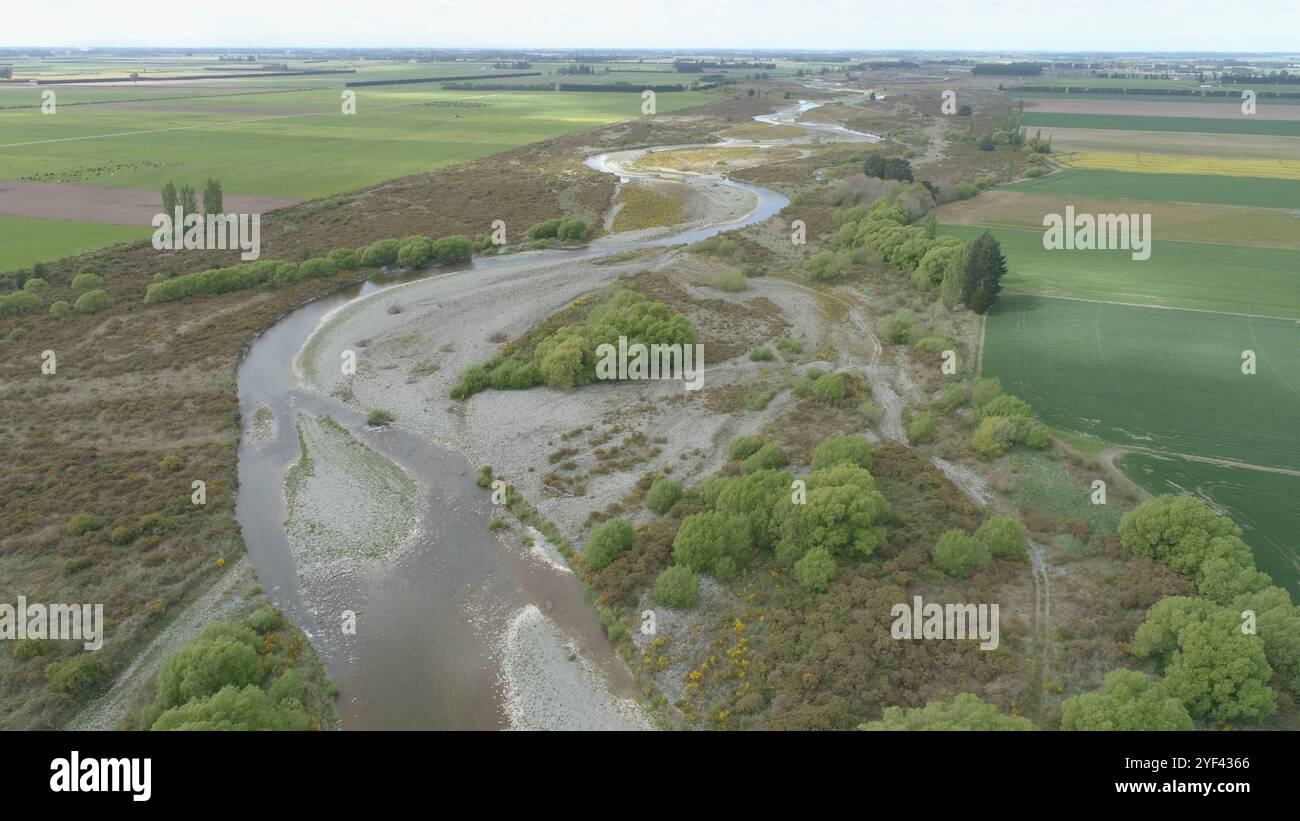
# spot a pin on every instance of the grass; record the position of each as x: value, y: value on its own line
x: 295, y: 143
x: 1191, y: 275
x: 1262, y: 503
x: 28, y: 240
x: 1211, y: 189
x: 1168, y: 380
x: 1129, y: 122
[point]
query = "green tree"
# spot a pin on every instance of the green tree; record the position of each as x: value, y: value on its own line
x: 93, y: 302
x: 965, y: 712
x: 676, y: 587
x: 760, y: 498
x: 842, y: 450
x: 816, y: 570
x: 234, y: 708
x: 847, y: 522
x: 986, y: 266
x: 713, y: 543
x: 608, y: 542
x: 188, y: 200
x: 956, y: 279
x: 1216, y: 671
x: 958, y: 554
x: 1004, y: 536
x: 213, y: 201
x: 1176, y: 530
x: 663, y: 494
x: 169, y: 199
x: 1127, y: 701
x: 221, y: 655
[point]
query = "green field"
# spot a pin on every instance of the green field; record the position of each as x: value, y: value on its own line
x: 1264, y: 504
x: 1128, y: 122
x: 34, y: 240
x: 296, y: 144
x: 1258, y: 192
x: 1233, y: 97
x: 1263, y: 281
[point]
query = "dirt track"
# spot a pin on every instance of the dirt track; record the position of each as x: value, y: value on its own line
x: 118, y: 206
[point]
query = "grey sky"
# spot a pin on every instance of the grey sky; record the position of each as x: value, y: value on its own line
x: 991, y: 25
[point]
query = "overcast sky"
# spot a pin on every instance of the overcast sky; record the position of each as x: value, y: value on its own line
x: 988, y: 25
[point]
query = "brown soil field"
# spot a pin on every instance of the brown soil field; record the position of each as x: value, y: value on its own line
x: 117, y: 206
x: 1171, y: 142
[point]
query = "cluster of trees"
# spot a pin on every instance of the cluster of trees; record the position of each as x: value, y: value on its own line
x: 233, y: 677
x: 836, y: 516
x: 966, y: 274
x: 965, y: 712
x: 1020, y: 69
x: 187, y: 198
x: 959, y: 554
x: 412, y: 252
x: 567, y: 357
x: 887, y: 168
x: 1223, y: 654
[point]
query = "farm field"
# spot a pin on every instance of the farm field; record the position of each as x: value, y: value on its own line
x: 1173, y: 164
x: 1200, y: 276
x: 1168, y: 381
x: 1127, y: 122
x: 1241, y: 146
x: 28, y: 240
x: 1262, y: 503
x: 1184, y: 222
x: 1213, y: 108
x: 1136, y: 95
x: 1259, y: 192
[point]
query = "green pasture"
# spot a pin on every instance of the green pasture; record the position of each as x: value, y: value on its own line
x: 1212, y: 189
x: 29, y: 240
x: 1129, y: 122
x: 1209, y: 277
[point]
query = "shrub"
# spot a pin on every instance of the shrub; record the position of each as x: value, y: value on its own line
x: 84, y: 523
x: 381, y: 253
x: 1127, y: 701
x: 922, y: 427
x: 172, y: 462
x: 35, y: 285
x: 316, y: 268
x: 676, y: 587
x: 61, y: 308
x: 762, y: 355
x: 77, y: 676
x: 1003, y: 536
x: 743, y: 446
x: 121, y: 535
x: 830, y: 387
x: 264, y: 619
x: 985, y: 389
x: 344, y: 259
x: 515, y: 374
x: 827, y: 266
x: 93, y: 302
x: 900, y: 328
x: 731, y: 280
x: 415, y: 252
x: 21, y: 302
x: 221, y: 655
x: 455, y: 248
x: 958, y: 554
x: 87, y: 281
x: 1177, y: 530
x: 789, y: 347
x: 544, y: 230
x: 607, y: 542
x: 572, y: 230
x: 842, y: 450
x: 767, y: 457
x: 473, y: 379
x: 713, y: 543
x: 378, y: 417
x: 663, y: 494
x: 816, y: 570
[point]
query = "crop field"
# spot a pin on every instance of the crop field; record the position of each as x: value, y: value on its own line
x: 283, y: 137
x: 1258, y: 192
x: 1191, y: 166
x: 1177, y: 143
x: 1129, y: 122
x: 1184, y: 222
x: 1201, y: 276
x: 1262, y: 503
